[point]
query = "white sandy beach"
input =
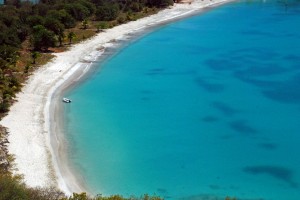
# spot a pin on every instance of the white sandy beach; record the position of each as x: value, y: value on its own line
x: 30, y: 121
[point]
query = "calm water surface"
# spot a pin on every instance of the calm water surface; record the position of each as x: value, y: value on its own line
x: 205, y: 107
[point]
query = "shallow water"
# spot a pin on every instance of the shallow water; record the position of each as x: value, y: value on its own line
x: 205, y: 107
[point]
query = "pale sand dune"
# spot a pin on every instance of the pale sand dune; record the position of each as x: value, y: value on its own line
x: 32, y: 130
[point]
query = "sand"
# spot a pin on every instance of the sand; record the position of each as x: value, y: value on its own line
x: 34, y: 134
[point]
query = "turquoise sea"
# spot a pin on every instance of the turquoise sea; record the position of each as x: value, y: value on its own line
x: 202, y: 108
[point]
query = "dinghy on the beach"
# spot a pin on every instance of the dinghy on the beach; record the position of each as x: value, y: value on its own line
x: 66, y: 100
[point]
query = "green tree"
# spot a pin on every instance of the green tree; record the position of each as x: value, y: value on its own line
x: 57, y: 28
x: 35, y: 55
x: 75, y: 196
x: 101, y: 25
x: 45, y: 193
x: 42, y: 38
x: 4, y: 107
x: 52, y: 2
x: 63, y: 16
x: 107, y: 12
x: 90, y: 6
x: 160, y: 3
x: 35, y: 20
x: 9, y: 35
x: 71, y: 36
x: 136, y: 7
x: 26, y: 68
x: 85, y: 24
x: 22, y: 30
x: 77, y: 10
x: 8, y: 56
x: 25, y: 11
x: 12, y: 188
x: 122, y: 19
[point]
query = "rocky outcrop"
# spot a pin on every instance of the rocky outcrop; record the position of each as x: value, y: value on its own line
x: 4, y: 162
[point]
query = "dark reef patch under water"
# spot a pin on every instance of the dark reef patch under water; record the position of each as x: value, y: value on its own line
x: 224, y: 108
x: 222, y: 64
x: 261, y: 70
x: 242, y: 126
x: 286, y: 92
x: 292, y: 58
x: 209, y: 86
x: 280, y: 173
x: 268, y: 146
x: 210, y: 118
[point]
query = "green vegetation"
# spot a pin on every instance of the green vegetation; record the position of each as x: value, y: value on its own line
x: 71, y: 36
x: 50, y: 26
x: 12, y: 188
x: 35, y: 56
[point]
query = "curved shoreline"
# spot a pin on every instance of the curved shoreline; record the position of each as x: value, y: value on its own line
x: 35, y: 137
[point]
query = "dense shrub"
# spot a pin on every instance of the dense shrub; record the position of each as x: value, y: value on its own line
x: 42, y: 38
x: 65, y: 18
x: 77, y: 10
x: 107, y: 12
x: 12, y: 188
x: 35, y: 20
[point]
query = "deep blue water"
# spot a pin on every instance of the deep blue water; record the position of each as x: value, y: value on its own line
x: 208, y: 106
